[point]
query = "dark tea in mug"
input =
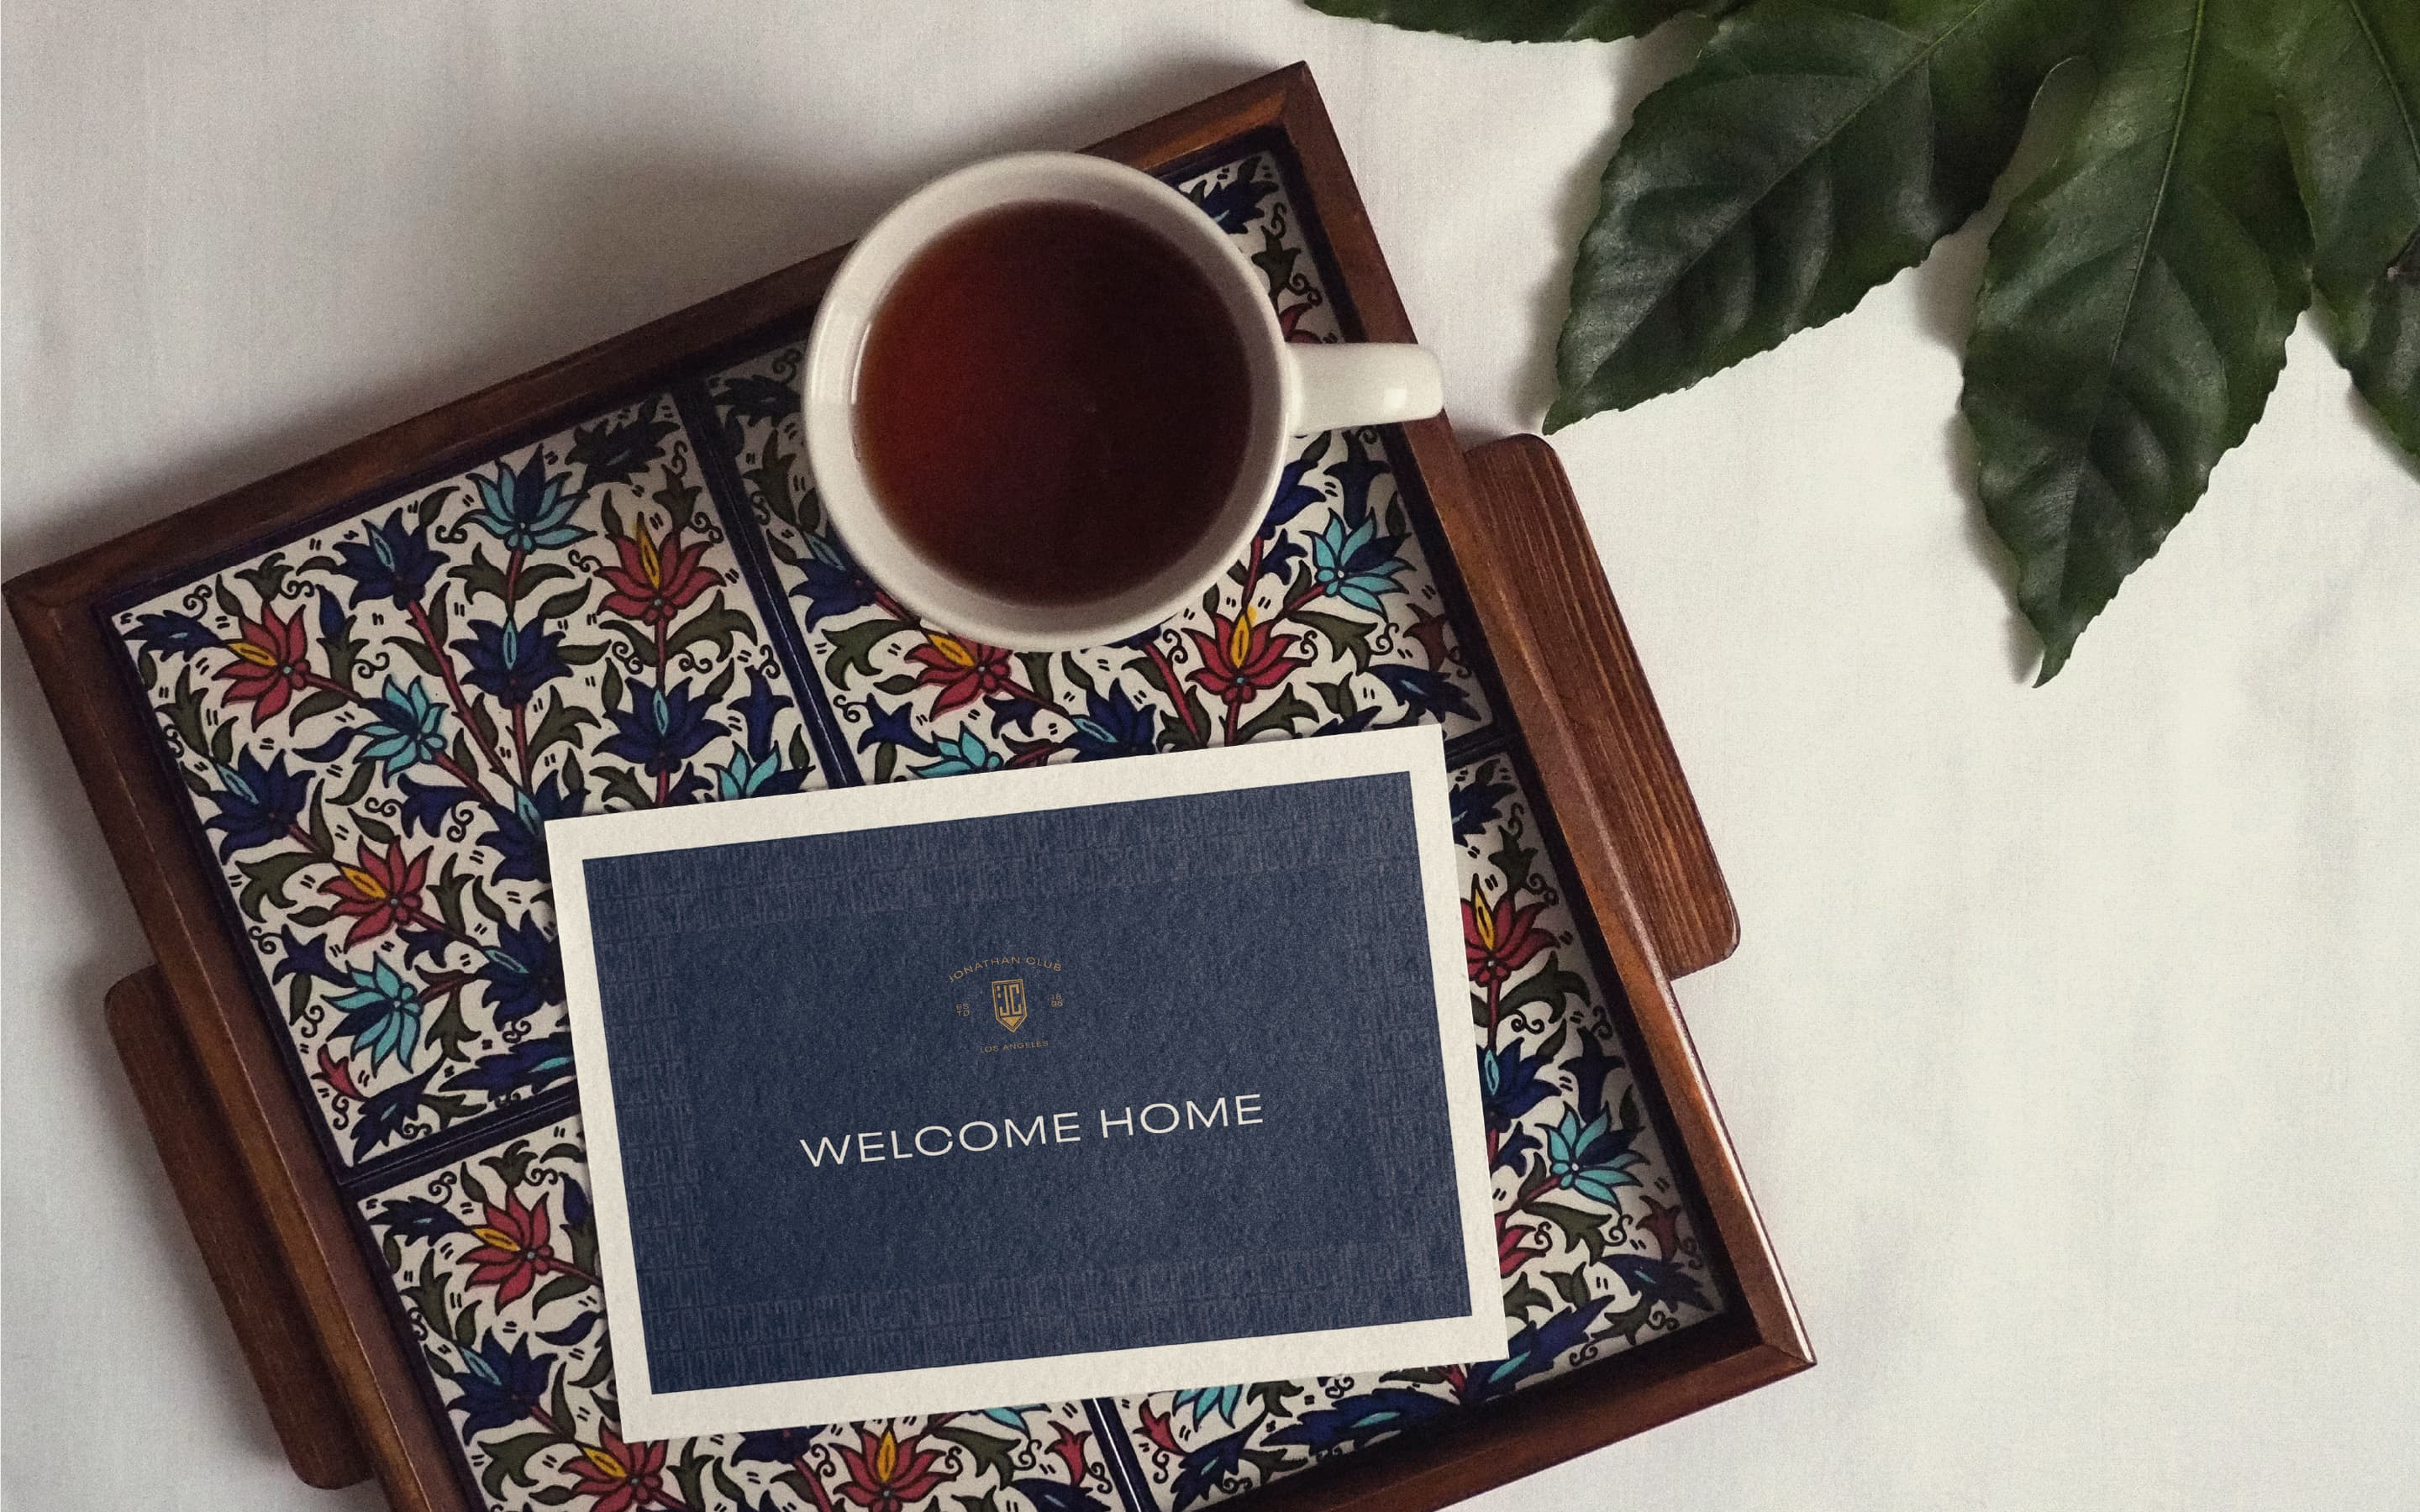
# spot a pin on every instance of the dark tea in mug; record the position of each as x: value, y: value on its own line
x: 1052, y: 402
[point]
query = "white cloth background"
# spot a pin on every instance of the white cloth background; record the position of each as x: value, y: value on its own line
x: 2074, y: 1045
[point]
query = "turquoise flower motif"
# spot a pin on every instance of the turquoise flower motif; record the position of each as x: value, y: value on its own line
x: 960, y: 754
x: 1593, y: 1158
x: 528, y: 511
x: 382, y: 1012
x: 1011, y: 1418
x: 1356, y: 563
x: 747, y: 775
x: 405, y: 728
x: 1204, y: 1400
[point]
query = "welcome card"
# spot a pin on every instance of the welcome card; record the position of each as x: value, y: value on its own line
x: 1066, y: 1082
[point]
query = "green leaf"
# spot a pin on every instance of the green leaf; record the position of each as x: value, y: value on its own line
x: 1551, y: 985
x: 448, y: 889
x: 802, y: 513
x: 1579, y: 1227
x: 1037, y: 674
x: 268, y: 579
x: 317, y: 702
x: 185, y: 714
x: 265, y: 880
x: 508, y: 1459
x: 481, y: 576
x: 2134, y: 309
x: 411, y: 646
x: 690, y: 1473
x: 513, y: 1164
x: 1520, y: 1296
x: 556, y: 1289
x: 1817, y: 148
x: 1524, y: 21
x: 992, y: 1452
x: 623, y: 783
x: 373, y: 830
x: 428, y: 1292
x: 536, y: 575
x: 1348, y: 637
x: 2350, y: 75
x: 564, y: 605
x: 448, y: 1032
x: 1279, y: 716
x: 1077, y: 675
x: 363, y: 774
x: 564, y: 722
x: 853, y: 647
x: 715, y: 622
x: 1571, y: 1285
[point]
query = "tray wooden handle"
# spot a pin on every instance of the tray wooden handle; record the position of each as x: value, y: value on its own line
x: 1537, y: 535
x: 198, y: 1149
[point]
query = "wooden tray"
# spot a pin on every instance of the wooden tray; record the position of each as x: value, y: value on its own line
x: 334, y: 1352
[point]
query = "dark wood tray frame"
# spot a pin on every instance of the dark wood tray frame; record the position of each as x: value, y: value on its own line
x: 343, y: 1392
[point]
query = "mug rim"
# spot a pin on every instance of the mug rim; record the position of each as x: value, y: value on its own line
x: 835, y: 344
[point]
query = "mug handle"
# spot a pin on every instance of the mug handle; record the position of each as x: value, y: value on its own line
x: 1361, y: 383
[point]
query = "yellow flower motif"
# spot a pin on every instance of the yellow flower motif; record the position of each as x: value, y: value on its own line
x: 952, y: 649
x: 1239, y: 639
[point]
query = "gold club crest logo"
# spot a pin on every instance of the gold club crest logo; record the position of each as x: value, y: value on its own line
x: 1008, y: 1003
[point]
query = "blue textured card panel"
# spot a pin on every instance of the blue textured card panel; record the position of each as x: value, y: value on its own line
x: 837, y: 1057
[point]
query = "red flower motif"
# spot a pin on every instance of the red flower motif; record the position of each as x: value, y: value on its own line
x: 1156, y: 1428
x: 620, y: 1476
x: 1499, y: 939
x: 513, y: 1250
x: 378, y: 893
x: 271, y: 662
x: 338, y: 1074
x: 1665, y: 1223
x: 656, y: 582
x: 884, y: 1475
x: 1242, y: 657
x: 1070, y: 1450
x: 964, y: 671
x: 1513, y: 1247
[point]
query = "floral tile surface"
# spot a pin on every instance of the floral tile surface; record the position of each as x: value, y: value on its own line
x: 1333, y: 621
x: 376, y: 721
x: 493, y: 1258
x: 1596, y: 1246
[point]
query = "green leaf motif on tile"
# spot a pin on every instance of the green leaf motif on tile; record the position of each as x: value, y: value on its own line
x: 990, y: 1453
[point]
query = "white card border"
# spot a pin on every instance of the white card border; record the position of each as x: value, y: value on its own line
x: 1479, y: 1334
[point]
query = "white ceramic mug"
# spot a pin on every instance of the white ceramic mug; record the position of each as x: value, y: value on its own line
x: 1296, y: 390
